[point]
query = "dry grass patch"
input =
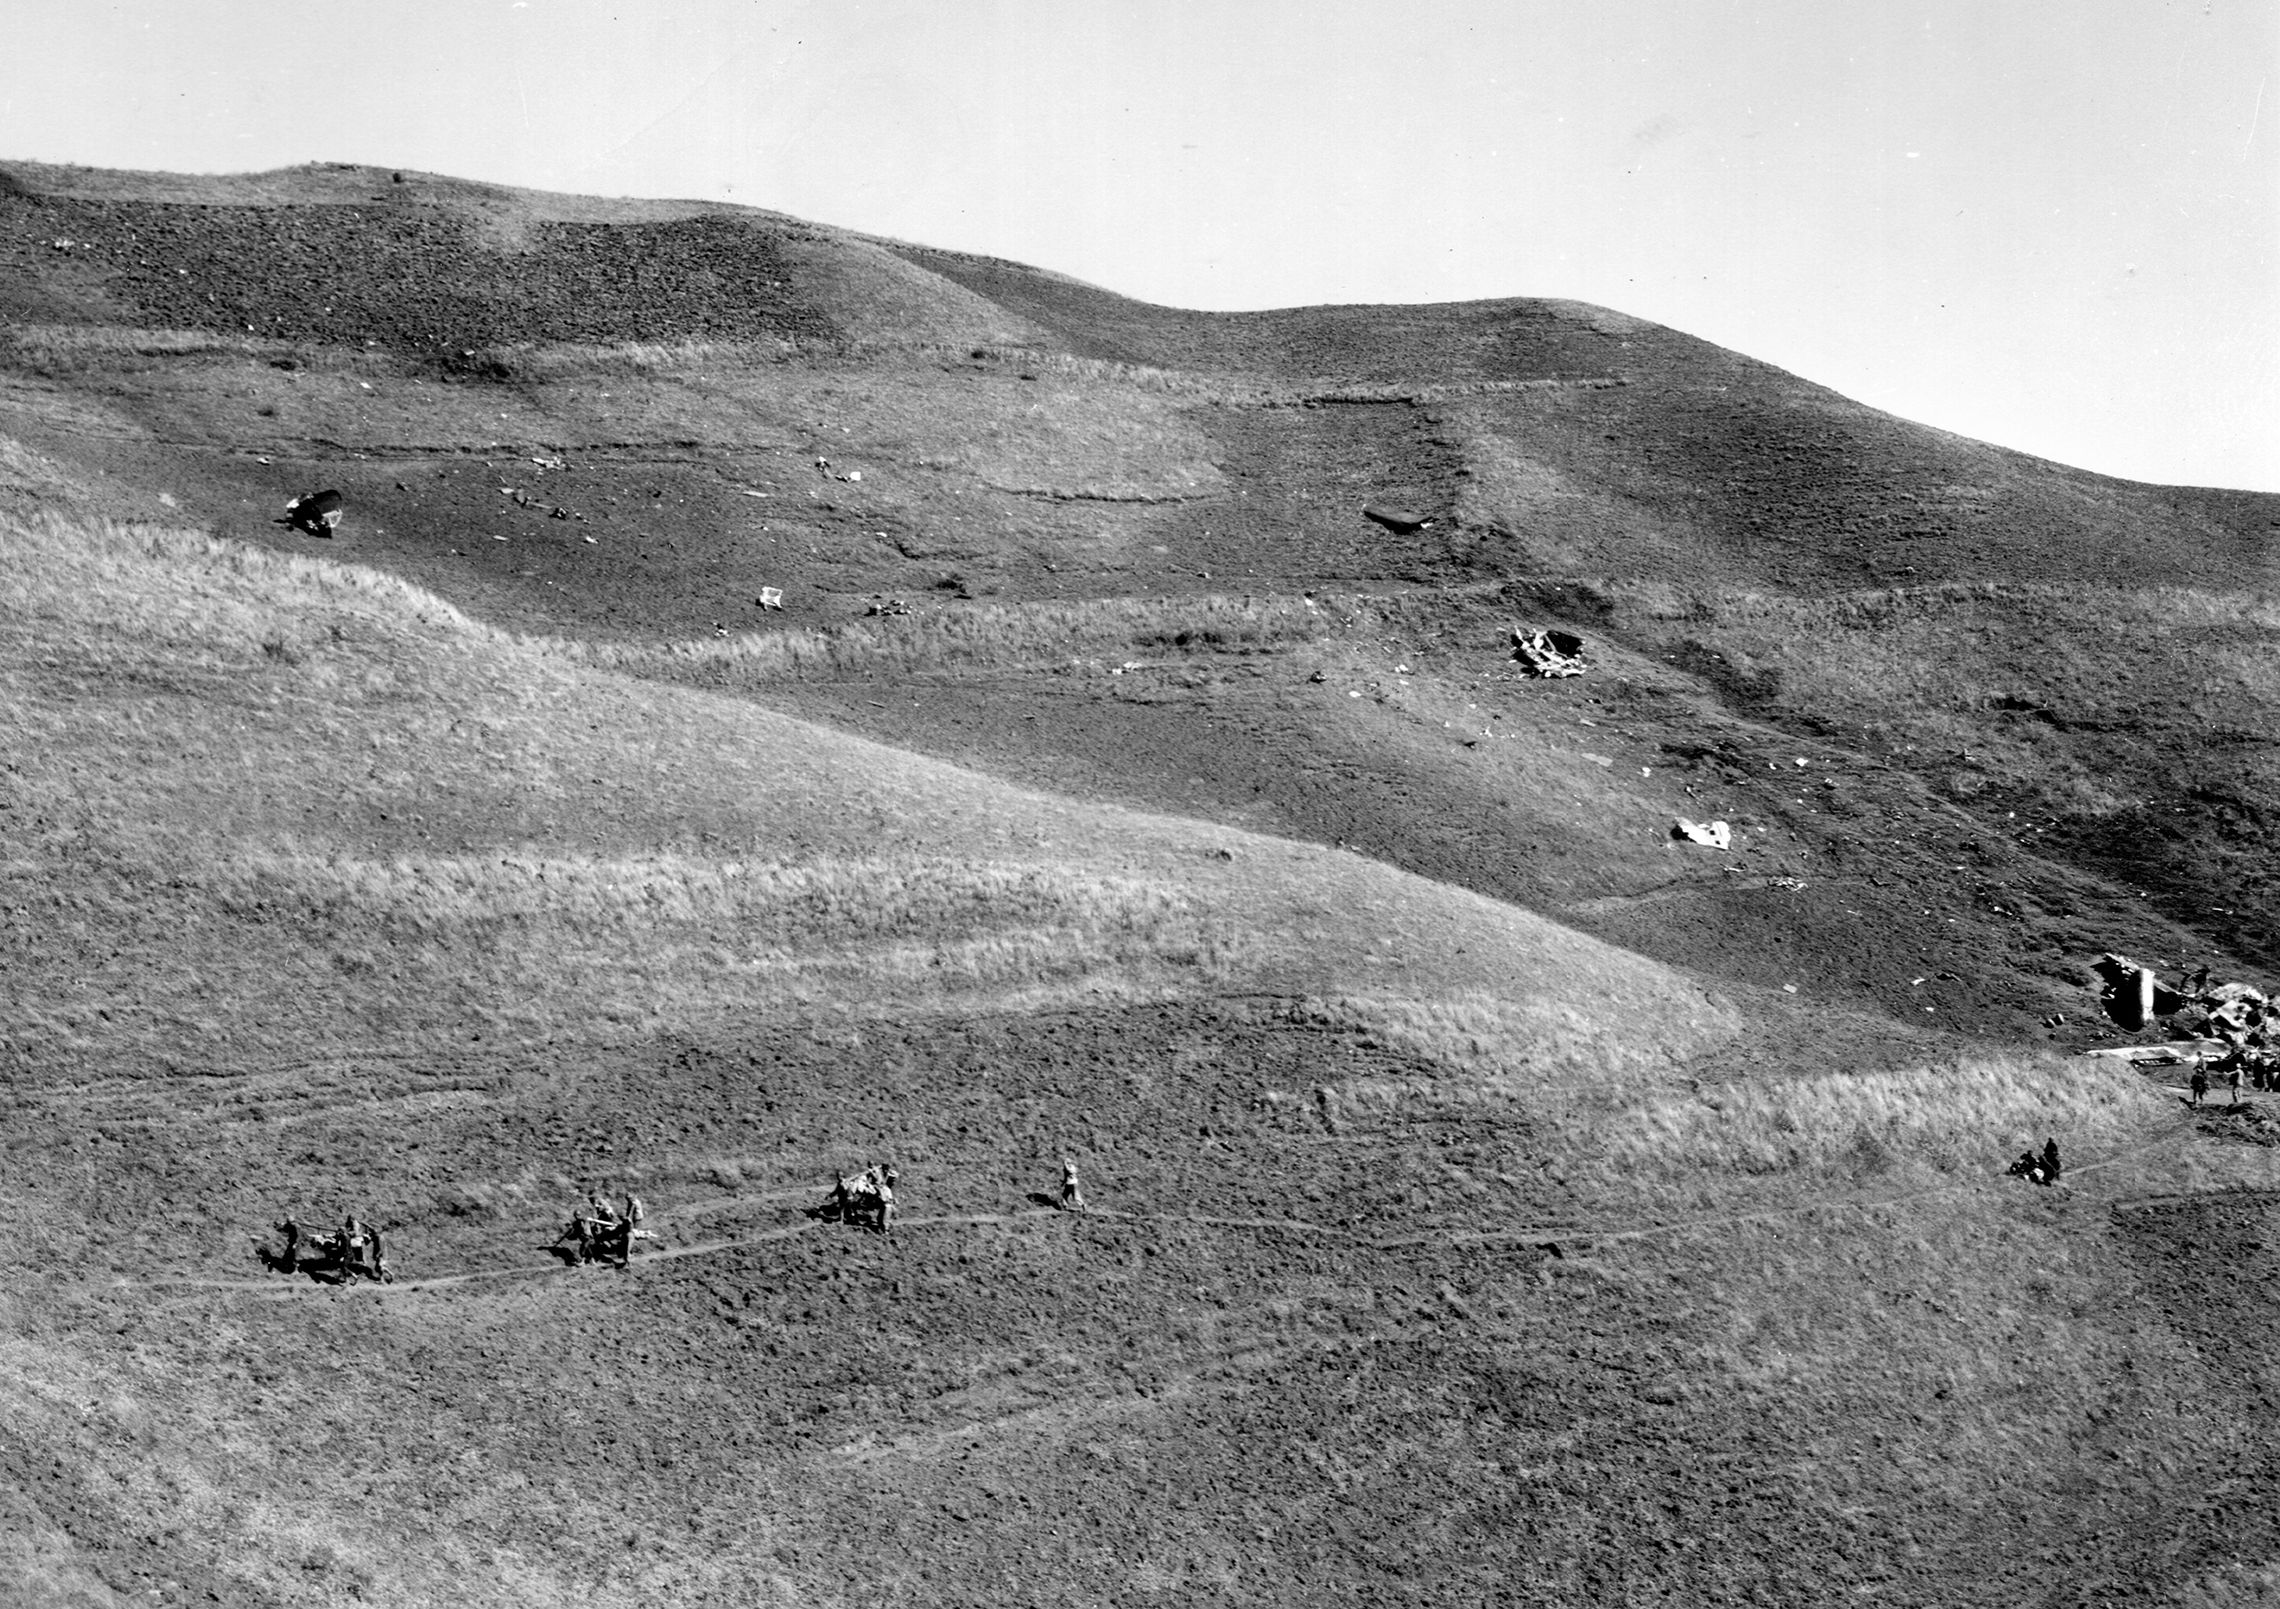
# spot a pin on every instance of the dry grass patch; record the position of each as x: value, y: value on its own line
x: 185, y: 710
x: 558, y: 361
x: 992, y: 636
x: 67, y: 579
x: 1499, y: 1049
x: 1222, y: 389
x: 1960, y: 1117
x: 79, y: 348
x: 671, y: 936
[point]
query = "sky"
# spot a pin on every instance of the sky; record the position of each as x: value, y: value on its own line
x: 2050, y: 225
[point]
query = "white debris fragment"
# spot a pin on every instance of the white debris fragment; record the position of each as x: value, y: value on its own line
x: 1548, y: 653
x: 1711, y: 834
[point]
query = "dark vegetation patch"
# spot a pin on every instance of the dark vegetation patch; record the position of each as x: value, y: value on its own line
x: 413, y: 279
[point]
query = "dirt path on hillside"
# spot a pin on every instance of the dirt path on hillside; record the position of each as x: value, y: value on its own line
x: 1549, y: 1237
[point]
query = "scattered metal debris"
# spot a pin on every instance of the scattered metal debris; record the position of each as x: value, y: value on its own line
x: 2168, y: 1055
x: 1548, y: 653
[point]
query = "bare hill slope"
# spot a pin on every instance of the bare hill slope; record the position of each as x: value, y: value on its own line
x: 1490, y: 1195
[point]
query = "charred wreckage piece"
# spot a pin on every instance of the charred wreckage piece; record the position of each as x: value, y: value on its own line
x: 317, y: 513
x: 2242, y: 1016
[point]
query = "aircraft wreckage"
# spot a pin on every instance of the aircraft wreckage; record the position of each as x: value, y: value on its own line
x: 2238, y: 1017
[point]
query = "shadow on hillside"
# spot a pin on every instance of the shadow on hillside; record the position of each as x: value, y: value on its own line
x: 273, y: 1259
x: 307, y: 1265
x: 859, y: 1213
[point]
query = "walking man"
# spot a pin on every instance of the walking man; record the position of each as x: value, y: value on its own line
x: 1072, y: 1198
x: 2050, y: 1160
x: 2200, y: 1081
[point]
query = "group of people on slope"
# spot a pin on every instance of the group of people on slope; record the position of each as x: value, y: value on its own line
x: 602, y: 1231
x: 355, y: 1250
x: 2040, y: 1167
x: 2240, y: 1061
x: 871, y: 1192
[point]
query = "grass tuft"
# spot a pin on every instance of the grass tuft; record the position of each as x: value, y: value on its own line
x: 1964, y: 1116
x: 990, y: 636
x: 1523, y: 1050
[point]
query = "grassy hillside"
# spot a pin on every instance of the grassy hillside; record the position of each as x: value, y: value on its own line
x: 1492, y: 1197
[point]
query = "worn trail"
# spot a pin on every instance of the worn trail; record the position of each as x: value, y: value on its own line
x: 1549, y: 1235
